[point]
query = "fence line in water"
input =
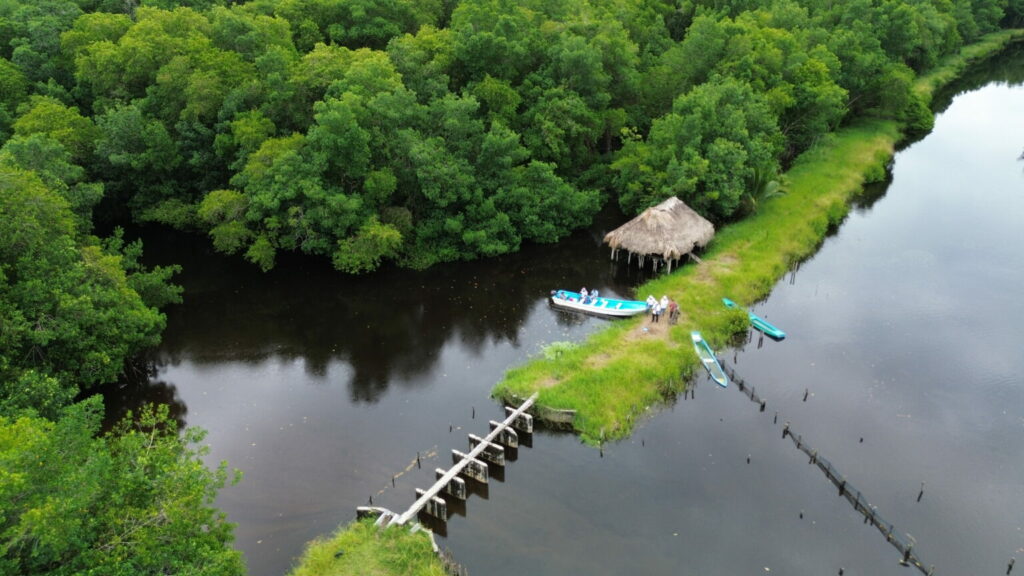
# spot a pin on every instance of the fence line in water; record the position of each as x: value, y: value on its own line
x: 851, y: 494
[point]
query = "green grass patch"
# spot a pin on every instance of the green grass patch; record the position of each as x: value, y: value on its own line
x: 363, y: 549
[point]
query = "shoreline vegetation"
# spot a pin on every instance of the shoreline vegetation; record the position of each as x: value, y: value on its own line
x: 618, y: 374
x: 612, y: 379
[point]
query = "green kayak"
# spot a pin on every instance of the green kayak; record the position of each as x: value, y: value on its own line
x: 707, y: 357
x: 758, y: 322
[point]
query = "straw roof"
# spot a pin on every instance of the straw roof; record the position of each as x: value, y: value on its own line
x: 669, y: 230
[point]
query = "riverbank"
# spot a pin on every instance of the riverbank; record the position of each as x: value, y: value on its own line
x: 619, y: 374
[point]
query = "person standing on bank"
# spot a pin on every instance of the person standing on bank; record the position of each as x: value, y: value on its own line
x: 673, y: 312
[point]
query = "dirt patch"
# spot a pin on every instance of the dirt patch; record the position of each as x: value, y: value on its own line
x: 547, y: 382
x: 647, y: 330
x: 598, y: 361
x: 707, y: 270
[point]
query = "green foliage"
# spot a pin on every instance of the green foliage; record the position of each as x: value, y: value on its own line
x: 918, y: 116
x: 13, y: 91
x: 477, y: 120
x: 766, y: 184
x: 877, y: 171
x: 704, y: 152
x: 90, y: 29
x: 136, y: 501
x: 262, y: 253
x: 736, y: 321
x: 140, y: 152
x: 52, y: 162
x: 31, y: 392
x: 556, y: 350
x: 363, y: 252
x: 30, y: 37
x: 152, y: 285
x: 49, y: 116
x: 222, y: 206
x: 70, y: 310
x: 370, y: 550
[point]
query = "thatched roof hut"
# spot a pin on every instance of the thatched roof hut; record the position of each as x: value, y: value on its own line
x: 665, y: 233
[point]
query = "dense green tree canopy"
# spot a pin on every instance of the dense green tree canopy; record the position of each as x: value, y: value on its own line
x: 330, y: 122
x: 69, y: 308
x: 136, y: 501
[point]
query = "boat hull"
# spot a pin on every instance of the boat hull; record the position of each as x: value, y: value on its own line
x: 606, y: 307
x: 757, y: 322
x: 708, y: 358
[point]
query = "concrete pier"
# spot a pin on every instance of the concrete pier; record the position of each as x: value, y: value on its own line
x: 507, y: 436
x: 493, y: 453
x: 480, y: 447
x: 456, y: 487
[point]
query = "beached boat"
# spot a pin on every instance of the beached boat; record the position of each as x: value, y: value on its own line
x: 600, y: 306
x: 707, y: 357
x: 758, y: 322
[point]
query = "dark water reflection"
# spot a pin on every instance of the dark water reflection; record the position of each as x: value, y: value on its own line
x: 320, y: 387
x: 904, y: 331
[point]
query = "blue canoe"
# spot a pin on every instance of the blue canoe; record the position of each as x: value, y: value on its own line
x: 707, y: 357
x: 758, y: 322
x: 601, y: 306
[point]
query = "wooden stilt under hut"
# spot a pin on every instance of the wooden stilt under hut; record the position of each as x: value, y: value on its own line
x: 663, y: 233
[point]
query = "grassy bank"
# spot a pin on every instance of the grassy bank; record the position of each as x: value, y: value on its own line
x: 952, y: 66
x: 361, y: 548
x: 616, y: 375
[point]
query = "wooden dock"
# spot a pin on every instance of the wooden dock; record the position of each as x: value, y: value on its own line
x: 490, y: 448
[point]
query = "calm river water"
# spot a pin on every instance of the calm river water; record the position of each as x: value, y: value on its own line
x: 905, y: 332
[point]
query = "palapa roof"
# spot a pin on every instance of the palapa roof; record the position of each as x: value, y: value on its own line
x: 670, y: 230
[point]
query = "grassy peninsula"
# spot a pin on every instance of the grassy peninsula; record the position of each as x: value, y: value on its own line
x: 616, y: 375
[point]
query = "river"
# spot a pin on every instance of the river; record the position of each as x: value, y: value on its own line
x: 905, y: 337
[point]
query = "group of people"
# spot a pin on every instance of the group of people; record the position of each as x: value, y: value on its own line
x: 588, y: 297
x: 663, y: 306
x: 656, y: 307
x: 585, y: 296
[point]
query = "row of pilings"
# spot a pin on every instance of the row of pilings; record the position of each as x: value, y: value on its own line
x: 905, y: 545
